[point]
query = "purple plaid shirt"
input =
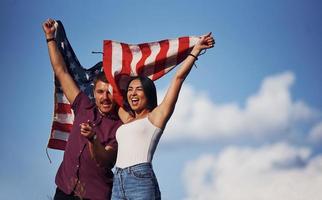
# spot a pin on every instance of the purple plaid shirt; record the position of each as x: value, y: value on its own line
x: 78, y: 172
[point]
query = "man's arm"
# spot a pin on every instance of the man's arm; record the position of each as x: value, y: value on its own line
x: 104, y: 156
x: 69, y: 87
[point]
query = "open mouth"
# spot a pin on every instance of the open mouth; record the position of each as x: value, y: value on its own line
x: 134, y: 101
x: 106, y: 103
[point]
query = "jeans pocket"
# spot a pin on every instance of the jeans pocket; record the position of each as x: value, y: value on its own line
x: 142, y: 173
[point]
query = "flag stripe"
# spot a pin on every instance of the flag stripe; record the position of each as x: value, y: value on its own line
x: 146, y: 52
x: 63, y: 108
x: 60, y: 135
x: 183, y: 49
x: 150, y: 61
x: 61, y: 98
x: 64, y: 118
x: 126, y: 59
x: 137, y: 55
x: 61, y: 127
x: 160, y: 60
x: 117, y: 54
x: 107, y: 65
x: 172, y: 55
x: 56, y: 144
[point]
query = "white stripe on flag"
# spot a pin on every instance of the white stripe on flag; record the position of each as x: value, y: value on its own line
x: 60, y: 135
x: 137, y: 55
x: 116, y: 58
x: 64, y: 118
x: 110, y: 89
x: 172, y: 54
x: 61, y: 98
x: 150, y: 61
x: 193, y: 41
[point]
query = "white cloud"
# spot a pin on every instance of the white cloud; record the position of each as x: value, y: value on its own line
x: 315, y: 134
x: 278, y: 172
x: 270, y: 111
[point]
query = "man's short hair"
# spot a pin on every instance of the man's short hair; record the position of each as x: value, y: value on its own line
x: 100, y: 77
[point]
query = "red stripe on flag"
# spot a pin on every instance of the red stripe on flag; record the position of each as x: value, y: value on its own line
x: 160, y: 60
x: 62, y: 127
x: 146, y: 52
x: 63, y: 108
x: 107, y: 66
x: 56, y: 144
x: 126, y: 59
x: 183, y: 49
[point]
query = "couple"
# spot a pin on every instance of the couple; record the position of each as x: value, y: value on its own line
x: 103, y: 133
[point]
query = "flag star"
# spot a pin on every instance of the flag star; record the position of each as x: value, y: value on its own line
x: 72, y: 65
x: 69, y: 55
x: 82, y: 87
x: 77, y: 78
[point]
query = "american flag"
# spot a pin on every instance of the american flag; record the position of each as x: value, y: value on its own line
x: 120, y: 61
x: 154, y: 59
x: 63, y: 115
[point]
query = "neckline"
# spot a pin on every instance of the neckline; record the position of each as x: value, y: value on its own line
x: 145, y: 117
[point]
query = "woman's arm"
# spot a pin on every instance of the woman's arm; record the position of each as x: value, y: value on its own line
x: 161, y: 114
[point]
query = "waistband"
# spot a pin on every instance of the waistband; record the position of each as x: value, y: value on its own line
x: 140, y: 166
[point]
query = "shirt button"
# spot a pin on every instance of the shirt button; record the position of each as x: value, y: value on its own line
x: 77, y: 166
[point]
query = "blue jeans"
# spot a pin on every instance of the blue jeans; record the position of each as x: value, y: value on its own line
x: 137, y: 182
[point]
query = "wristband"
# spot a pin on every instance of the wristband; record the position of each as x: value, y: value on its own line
x: 190, y: 54
x: 50, y: 39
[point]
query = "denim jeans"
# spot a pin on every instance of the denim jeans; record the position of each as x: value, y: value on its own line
x: 137, y: 182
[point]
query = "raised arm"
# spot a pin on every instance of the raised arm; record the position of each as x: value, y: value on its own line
x: 161, y: 114
x: 69, y: 87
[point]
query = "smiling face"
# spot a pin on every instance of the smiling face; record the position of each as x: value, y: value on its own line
x: 103, y: 97
x: 136, y: 96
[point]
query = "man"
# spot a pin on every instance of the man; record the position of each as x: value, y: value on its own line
x: 90, y: 153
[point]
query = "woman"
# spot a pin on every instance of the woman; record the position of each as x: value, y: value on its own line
x: 143, y: 126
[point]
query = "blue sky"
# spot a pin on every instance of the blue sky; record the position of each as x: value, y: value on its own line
x: 251, y: 111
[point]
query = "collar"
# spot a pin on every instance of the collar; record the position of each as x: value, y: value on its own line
x: 111, y: 115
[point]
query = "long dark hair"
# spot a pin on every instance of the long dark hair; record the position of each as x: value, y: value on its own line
x: 149, y: 91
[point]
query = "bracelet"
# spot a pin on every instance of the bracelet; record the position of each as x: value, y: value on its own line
x: 50, y: 39
x: 190, y: 54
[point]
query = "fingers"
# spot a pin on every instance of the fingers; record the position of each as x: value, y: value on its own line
x: 49, y: 25
x: 207, y: 41
x: 211, y: 41
x: 86, y: 128
x: 205, y: 35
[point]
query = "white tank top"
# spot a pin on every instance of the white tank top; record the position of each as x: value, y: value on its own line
x: 137, y: 142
